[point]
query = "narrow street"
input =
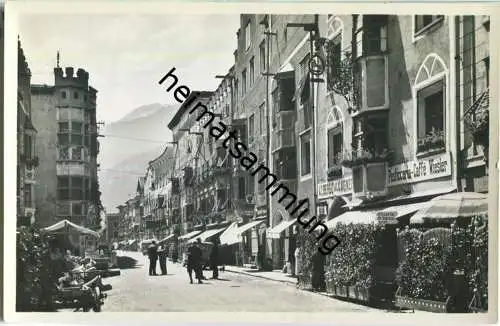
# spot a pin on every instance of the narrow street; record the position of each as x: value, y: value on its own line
x: 134, y: 290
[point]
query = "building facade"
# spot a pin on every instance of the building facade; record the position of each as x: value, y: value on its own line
x: 187, y: 159
x: 27, y: 160
x: 155, y: 195
x: 67, y: 185
x: 352, y: 114
x: 112, y: 228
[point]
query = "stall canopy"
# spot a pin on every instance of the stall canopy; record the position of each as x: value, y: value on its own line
x: 275, y: 232
x: 189, y: 235
x: 452, y: 206
x: 233, y: 236
x: 68, y: 227
x: 207, y: 234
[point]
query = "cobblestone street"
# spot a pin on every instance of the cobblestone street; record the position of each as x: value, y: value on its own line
x: 135, y: 290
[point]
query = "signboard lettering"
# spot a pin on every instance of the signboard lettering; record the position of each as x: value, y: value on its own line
x: 335, y: 187
x: 420, y: 170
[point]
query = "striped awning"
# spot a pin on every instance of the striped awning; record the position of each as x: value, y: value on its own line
x: 452, y: 206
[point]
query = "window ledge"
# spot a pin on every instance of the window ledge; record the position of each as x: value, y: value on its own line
x: 420, y: 33
x: 431, y: 152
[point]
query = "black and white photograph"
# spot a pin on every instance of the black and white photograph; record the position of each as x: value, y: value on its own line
x: 244, y: 160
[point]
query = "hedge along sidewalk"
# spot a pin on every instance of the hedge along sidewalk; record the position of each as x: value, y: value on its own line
x: 272, y: 276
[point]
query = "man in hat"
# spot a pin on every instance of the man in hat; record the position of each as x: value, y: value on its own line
x: 153, y: 257
x: 194, y: 257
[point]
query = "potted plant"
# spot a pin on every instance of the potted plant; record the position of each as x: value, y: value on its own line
x: 422, y: 275
x: 334, y: 172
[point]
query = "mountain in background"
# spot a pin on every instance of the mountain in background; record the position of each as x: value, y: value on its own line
x: 127, y: 147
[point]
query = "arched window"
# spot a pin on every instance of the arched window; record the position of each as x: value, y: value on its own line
x: 335, y: 139
x: 431, y: 104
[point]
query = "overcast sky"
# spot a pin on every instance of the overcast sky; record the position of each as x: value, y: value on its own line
x: 126, y: 55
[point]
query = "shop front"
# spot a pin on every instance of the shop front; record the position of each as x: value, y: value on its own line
x: 238, y: 236
x: 285, y: 236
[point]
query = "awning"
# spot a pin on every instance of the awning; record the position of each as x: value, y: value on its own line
x: 425, y: 193
x: 449, y: 207
x: 387, y: 215
x: 68, y: 227
x: 248, y: 226
x: 227, y: 236
x: 130, y: 242
x: 275, y: 232
x: 233, y: 236
x: 189, y: 235
x: 402, y: 210
x: 207, y: 234
x: 364, y: 217
x: 167, y: 238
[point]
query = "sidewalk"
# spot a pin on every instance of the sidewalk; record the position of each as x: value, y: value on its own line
x: 278, y: 276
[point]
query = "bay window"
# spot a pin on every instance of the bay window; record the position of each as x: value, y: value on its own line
x: 370, y: 35
x: 371, y: 83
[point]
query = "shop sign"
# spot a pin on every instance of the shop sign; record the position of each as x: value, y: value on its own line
x: 420, y: 170
x: 387, y: 217
x: 335, y: 187
x: 322, y: 209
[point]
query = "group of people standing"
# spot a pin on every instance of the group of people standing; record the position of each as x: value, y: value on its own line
x: 155, y: 254
x: 194, y: 263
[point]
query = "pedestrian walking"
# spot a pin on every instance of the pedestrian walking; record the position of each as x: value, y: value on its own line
x: 162, y: 257
x: 153, y: 257
x: 194, y: 256
x: 214, y: 259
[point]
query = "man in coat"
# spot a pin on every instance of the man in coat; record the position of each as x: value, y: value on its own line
x: 214, y: 259
x: 194, y: 257
x: 153, y: 257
